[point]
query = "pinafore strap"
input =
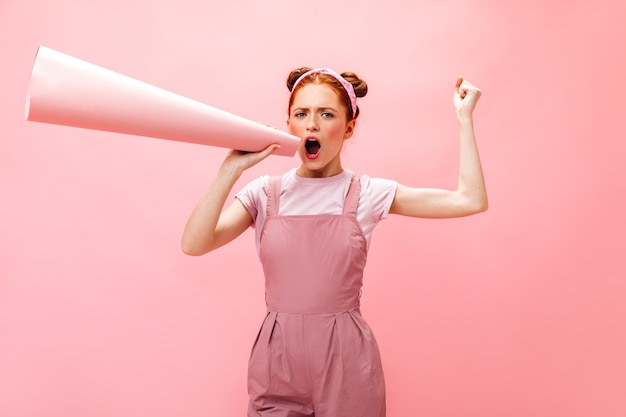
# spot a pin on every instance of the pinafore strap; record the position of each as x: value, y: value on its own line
x: 273, y: 196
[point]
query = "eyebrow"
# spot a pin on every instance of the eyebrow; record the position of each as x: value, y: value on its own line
x: 316, y: 108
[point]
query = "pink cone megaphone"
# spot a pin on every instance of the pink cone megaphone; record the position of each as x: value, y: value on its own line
x: 68, y: 91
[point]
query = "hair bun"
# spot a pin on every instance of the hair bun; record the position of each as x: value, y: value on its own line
x: 360, y: 86
x: 294, y: 75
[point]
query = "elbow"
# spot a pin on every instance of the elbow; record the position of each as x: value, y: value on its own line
x: 475, y: 204
x: 481, y: 205
x: 190, y: 249
x: 190, y: 252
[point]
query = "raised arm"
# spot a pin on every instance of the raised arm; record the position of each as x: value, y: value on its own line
x: 209, y: 227
x: 470, y: 197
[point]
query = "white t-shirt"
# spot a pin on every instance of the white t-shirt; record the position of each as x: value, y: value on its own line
x: 311, y: 196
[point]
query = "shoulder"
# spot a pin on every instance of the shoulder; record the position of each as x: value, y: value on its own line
x: 377, y: 195
x: 256, y: 185
x: 376, y: 186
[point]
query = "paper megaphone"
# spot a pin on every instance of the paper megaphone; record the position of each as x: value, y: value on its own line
x: 67, y: 91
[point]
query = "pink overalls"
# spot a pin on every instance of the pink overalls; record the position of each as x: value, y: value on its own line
x: 314, y: 355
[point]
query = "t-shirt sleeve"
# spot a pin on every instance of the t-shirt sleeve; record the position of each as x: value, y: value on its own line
x: 252, y: 196
x: 379, y: 194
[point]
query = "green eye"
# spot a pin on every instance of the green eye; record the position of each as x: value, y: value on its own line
x: 327, y: 115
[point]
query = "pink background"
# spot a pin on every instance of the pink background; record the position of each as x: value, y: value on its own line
x: 519, y: 311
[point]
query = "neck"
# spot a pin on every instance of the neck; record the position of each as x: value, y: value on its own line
x: 305, y: 172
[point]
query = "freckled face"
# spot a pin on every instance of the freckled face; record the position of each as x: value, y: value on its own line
x: 318, y: 117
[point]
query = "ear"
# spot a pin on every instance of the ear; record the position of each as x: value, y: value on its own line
x: 350, y: 126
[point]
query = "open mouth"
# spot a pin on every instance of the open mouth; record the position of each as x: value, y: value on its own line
x: 312, y: 147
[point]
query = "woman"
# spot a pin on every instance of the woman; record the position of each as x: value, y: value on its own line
x: 314, y: 354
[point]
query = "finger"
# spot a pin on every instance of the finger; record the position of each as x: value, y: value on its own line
x: 459, y: 87
x: 473, y: 91
x: 268, y: 151
x: 469, y: 86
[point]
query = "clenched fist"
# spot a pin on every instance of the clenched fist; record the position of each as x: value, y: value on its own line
x: 466, y: 96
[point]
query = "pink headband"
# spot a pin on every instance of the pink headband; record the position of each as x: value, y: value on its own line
x: 346, y: 85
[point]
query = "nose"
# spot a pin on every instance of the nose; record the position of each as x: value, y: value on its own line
x: 312, y: 125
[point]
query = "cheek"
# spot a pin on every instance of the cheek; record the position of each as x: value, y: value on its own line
x: 336, y: 129
x: 293, y: 129
x: 296, y: 125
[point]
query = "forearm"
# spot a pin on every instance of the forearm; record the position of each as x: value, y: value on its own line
x: 200, y: 230
x: 471, y: 183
